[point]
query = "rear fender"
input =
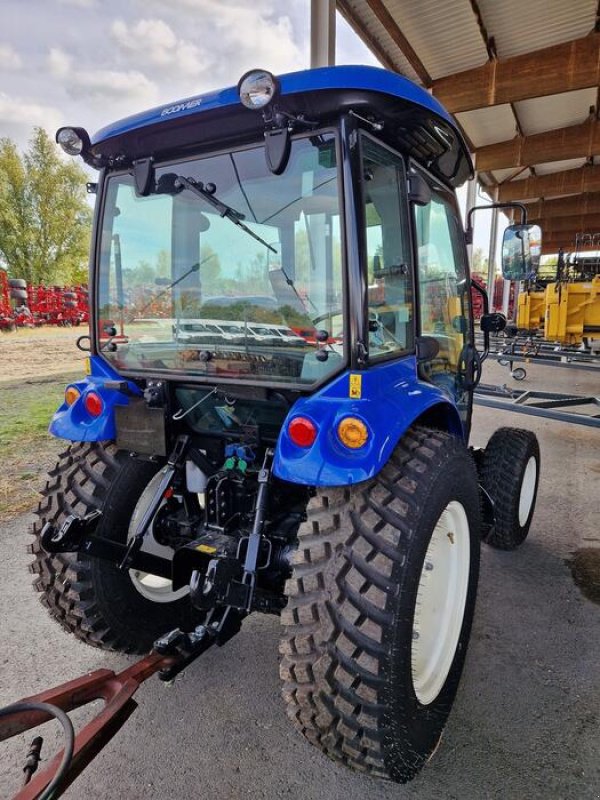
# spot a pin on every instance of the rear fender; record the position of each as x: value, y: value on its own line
x: 388, y: 398
x: 75, y: 423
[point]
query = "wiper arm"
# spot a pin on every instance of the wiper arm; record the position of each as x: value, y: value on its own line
x: 224, y: 210
x: 193, y: 268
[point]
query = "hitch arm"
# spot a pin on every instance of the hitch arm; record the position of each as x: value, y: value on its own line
x: 171, y: 654
x: 116, y: 689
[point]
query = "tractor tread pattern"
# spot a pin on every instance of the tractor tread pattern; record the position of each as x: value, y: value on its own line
x: 76, y: 485
x: 500, y: 474
x: 335, y: 649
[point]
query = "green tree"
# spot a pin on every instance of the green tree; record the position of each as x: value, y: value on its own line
x: 210, y: 271
x: 479, y: 263
x: 45, y: 220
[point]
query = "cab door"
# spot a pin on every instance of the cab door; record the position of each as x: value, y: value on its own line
x: 444, y: 295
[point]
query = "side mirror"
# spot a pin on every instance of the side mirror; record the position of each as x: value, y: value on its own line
x: 492, y: 323
x: 277, y: 149
x: 521, y: 251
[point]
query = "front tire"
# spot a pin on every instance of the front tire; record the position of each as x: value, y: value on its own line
x: 510, y: 474
x: 90, y: 597
x: 380, y: 608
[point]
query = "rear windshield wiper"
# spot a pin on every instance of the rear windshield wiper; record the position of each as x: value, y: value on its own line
x: 193, y: 268
x: 224, y: 210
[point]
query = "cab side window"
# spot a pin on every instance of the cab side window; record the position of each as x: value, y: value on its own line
x: 389, y: 276
x: 443, y: 285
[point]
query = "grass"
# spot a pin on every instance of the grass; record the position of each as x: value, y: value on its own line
x: 28, y: 450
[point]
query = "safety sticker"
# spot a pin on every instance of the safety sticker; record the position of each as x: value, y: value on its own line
x: 355, y: 387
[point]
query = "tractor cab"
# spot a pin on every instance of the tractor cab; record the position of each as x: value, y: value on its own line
x: 295, y: 240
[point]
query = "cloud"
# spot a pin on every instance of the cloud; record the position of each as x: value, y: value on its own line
x: 153, y: 41
x: 78, y: 3
x: 9, y: 58
x: 59, y: 62
x: 231, y: 36
x: 18, y: 116
x: 102, y: 84
x: 153, y: 37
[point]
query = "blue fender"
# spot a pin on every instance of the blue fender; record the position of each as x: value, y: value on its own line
x: 388, y: 398
x: 75, y: 423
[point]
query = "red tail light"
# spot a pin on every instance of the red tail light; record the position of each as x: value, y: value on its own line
x: 93, y: 404
x: 302, y: 431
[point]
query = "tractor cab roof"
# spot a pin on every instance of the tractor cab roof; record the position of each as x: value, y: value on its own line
x: 412, y: 120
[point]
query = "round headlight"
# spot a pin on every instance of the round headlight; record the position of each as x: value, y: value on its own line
x: 257, y: 88
x: 70, y: 141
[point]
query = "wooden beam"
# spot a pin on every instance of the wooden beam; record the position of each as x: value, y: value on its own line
x: 571, y: 181
x: 552, y: 70
x: 553, y: 226
x: 565, y: 206
x: 567, y: 244
x: 391, y: 26
x: 576, y: 141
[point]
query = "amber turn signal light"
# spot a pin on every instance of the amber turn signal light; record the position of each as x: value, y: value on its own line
x: 71, y: 394
x: 352, y: 432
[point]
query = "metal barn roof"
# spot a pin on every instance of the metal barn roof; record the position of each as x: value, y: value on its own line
x: 522, y: 79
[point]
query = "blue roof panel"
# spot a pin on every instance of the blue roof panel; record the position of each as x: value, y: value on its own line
x: 343, y: 77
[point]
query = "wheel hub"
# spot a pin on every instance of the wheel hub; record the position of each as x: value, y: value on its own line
x: 527, y: 494
x: 440, y: 603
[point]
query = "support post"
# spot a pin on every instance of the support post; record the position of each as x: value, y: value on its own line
x: 506, y: 298
x: 322, y: 33
x: 491, y: 278
x: 471, y: 201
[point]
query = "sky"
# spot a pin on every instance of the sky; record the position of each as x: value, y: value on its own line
x: 91, y: 62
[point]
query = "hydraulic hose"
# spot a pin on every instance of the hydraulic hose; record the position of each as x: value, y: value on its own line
x: 67, y: 725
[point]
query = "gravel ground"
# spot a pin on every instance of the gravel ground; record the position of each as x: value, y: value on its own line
x: 525, y: 723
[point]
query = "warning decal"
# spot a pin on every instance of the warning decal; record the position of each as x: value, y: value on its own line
x: 355, y: 387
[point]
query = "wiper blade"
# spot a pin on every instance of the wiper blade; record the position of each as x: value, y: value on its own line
x: 224, y: 210
x: 193, y: 268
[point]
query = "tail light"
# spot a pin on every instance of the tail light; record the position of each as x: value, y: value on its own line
x: 302, y: 431
x: 94, y: 404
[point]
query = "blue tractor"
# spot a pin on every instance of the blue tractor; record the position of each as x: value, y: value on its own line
x: 278, y: 402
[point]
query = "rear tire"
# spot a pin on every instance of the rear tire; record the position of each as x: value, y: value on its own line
x: 510, y: 474
x: 369, y: 676
x: 89, y: 597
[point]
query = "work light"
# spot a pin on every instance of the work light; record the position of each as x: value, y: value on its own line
x: 257, y: 88
x: 73, y: 140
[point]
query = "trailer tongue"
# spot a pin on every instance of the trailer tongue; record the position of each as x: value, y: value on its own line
x: 169, y: 656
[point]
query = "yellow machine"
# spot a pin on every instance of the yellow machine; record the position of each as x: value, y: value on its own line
x: 531, y: 310
x: 573, y: 312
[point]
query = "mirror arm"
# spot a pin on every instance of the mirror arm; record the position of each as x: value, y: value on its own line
x: 486, y: 310
x: 469, y: 228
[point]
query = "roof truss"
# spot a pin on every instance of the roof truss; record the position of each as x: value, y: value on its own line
x: 567, y: 243
x: 559, y: 226
x: 576, y: 141
x: 565, y: 207
x: 571, y: 181
x: 552, y: 70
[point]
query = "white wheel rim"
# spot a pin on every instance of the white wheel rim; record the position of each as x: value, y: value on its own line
x: 527, y: 490
x: 440, y: 604
x: 153, y: 587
